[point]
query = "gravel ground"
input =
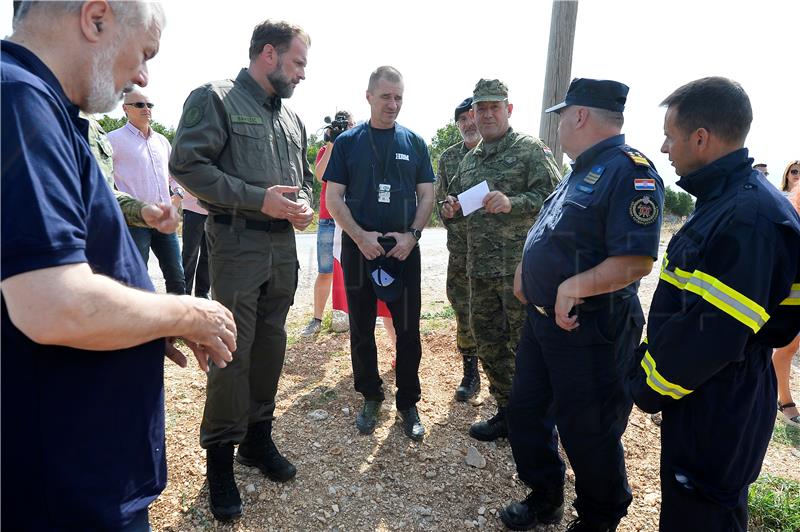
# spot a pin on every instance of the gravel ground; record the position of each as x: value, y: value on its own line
x: 384, y: 481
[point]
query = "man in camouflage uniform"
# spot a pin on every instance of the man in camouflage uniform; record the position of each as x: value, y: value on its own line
x: 457, y: 281
x: 163, y: 217
x: 521, y: 173
x: 242, y: 153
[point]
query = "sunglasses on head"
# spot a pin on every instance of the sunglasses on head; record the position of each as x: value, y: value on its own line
x: 141, y: 105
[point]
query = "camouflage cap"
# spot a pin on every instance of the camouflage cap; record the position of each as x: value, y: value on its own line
x: 490, y: 90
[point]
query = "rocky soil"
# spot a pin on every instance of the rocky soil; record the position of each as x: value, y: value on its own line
x: 384, y: 481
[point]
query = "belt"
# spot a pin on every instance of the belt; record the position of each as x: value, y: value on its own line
x: 547, y: 312
x: 591, y: 305
x: 255, y: 225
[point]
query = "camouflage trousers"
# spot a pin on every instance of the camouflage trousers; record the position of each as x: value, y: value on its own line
x: 496, y: 318
x: 458, y: 295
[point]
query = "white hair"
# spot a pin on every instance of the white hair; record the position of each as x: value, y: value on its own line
x: 130, y: 15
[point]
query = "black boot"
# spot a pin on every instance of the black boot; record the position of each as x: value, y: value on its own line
x: 491, y: 429
x: 471, y: 383
x: 583, y: 525
x: 258, y: 450
x: 543, y: 506
x: 223, y: 495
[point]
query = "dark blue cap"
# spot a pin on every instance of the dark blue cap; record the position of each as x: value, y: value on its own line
x: 599, y: 93
x: 463, y: 107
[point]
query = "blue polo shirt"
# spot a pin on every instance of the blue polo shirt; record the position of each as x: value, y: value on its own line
x: 611, y: 204
x: 368, y: 161
x: 83, y: 431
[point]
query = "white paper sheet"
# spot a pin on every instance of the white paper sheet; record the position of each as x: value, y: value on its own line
x: 472, y: 199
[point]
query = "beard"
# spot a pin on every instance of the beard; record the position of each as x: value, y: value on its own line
x: 103, y: 95
x: 284, y: 88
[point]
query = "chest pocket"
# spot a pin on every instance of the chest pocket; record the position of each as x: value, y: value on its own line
x: 248, y: 144
x: 579, y: 203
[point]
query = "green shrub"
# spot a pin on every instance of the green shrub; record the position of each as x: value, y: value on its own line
x: 774, y: 504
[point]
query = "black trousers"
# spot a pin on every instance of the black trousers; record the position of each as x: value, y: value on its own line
x: 683, y: 508
x: 575, y: 381
x: 362, y: 304
x: 195, y: 254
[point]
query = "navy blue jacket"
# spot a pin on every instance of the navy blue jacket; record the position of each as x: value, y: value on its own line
x: 729, y: 292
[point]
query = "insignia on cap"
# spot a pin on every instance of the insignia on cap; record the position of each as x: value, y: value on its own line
x: 643, y: 210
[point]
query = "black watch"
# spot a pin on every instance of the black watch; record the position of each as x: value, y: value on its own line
x: 417, y: 233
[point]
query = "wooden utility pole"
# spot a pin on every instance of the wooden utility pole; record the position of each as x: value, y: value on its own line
x: 559, y: 70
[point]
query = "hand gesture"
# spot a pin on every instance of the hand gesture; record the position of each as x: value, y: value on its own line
x: 450, y: 207
x: 368, y: 245
x: 278, y: 206
x: 161, y: 216
x: 496, y: 202
x: 405, y: 243
x: 212, y: 331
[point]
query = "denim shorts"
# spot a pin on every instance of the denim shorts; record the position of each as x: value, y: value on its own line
x: 325, y: 232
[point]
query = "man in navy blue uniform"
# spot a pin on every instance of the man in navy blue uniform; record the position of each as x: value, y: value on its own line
x: 729, y: 292
x: 82, y: 335
x: 383, y: 172
x: 596, y: 236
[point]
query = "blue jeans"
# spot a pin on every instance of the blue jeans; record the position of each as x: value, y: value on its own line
x: 325, y: 233
x: 167, y: 252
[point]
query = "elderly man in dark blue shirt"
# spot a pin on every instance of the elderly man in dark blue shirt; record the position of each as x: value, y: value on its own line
x: 82, y: 334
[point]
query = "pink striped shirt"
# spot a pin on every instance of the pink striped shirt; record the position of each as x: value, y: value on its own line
x: 140, y: 164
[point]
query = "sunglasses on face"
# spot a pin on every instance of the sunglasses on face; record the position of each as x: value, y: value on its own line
x: 794, y: 171
x: 141, y: 105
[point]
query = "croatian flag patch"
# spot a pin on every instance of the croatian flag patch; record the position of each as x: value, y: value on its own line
x: 644, y: 184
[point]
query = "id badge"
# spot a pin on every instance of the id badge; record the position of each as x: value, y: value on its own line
x: 384, y: 193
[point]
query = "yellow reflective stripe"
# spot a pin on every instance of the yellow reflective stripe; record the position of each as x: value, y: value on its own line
x: 728, y: 300
x: 658, y: 383
x: 794, y: 296
x: 722, y: 296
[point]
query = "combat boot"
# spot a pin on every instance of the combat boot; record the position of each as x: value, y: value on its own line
x: 583, y: 525
x: 471, y: 383
x: 491, y: 429
x: 223, y: 495
x: 258, y: 450
x: 543, y: 506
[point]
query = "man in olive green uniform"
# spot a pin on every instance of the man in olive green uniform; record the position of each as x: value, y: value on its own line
x: 242, y: 153
x: 457, y: 281
x: 137, y: 213
x: 521, y: 173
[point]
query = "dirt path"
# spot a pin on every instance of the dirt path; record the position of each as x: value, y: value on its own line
x: 347, y: 481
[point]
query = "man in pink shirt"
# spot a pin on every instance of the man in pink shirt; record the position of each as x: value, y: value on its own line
x: 141, y: 156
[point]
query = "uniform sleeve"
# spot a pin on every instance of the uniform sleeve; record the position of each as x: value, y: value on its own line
x: 633, y: 221
x: 542, y: 177
x: 306, y: 193
x: 42, y: 208
x: 201, y: 136
x: 724, y: 305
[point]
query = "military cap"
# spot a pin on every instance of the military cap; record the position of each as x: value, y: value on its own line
x: 463, y: 107
x: 599, y: 93
x: 490, y: 90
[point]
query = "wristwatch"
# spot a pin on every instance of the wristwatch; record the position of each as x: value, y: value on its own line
x: 417, y: 233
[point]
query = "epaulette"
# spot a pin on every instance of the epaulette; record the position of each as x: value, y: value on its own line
x: 635, y: 156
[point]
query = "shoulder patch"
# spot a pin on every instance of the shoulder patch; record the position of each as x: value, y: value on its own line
x: 643, y: 210
x: 192, y: 116
x: 635, y: 156
x: 644, y: 184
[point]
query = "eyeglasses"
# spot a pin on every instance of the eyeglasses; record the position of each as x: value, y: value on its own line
x: 141, y: 105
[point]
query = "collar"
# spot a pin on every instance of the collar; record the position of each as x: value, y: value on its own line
x: 485, y: 149
x: 246, y: 80
x: 713, y: 179
x: 30, y: 62
x: 589, y: 155
x: 136, y: 131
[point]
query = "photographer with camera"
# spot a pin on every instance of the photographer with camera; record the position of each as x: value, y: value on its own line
x: 342, y: 121
x: 380, y: 192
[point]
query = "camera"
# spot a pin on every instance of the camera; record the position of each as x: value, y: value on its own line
x: 336, y: 127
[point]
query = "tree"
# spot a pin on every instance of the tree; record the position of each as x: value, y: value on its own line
x: 678, y: 203
x: 110, y: 124
x: 444, y: 138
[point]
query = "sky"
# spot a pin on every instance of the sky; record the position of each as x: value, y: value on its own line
x: 444, y: 47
